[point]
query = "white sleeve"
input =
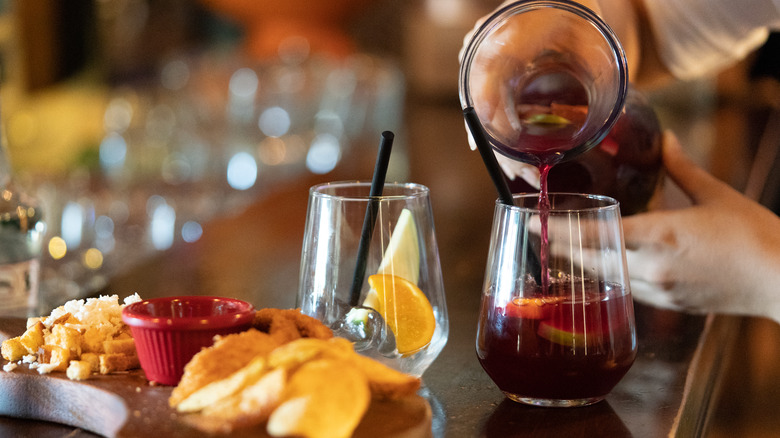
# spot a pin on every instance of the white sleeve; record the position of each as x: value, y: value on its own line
x: 699, y: 37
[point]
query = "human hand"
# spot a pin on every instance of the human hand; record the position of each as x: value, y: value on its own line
x: 721, y: 254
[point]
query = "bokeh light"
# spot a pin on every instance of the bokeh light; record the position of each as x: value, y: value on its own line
x: 324, y: 154
x: 72, y: 224
x: 57, y: 247
x: 274, y: 122
x: 191, y: 231
x: 93, y: 259
x: 242, y: 171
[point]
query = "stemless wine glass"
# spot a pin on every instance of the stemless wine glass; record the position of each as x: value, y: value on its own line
x: 570, y: 341
x: 546, y: 78
x: 383, y: 291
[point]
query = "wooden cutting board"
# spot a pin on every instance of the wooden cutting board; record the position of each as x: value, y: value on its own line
x: 125, y: 405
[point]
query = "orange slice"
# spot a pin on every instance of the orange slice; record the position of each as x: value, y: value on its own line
x: 531, y: 307
x: 406, y: 311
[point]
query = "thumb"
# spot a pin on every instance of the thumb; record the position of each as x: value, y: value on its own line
x: 692, y: 179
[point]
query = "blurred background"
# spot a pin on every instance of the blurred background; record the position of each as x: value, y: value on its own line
x: 135, y: 122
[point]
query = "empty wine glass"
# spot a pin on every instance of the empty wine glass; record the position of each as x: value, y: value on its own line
x: 370, y: 270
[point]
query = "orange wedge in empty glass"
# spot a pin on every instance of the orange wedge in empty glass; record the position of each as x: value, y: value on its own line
x: 406, y: 311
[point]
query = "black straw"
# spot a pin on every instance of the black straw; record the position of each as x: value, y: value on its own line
x: 504, y: 193
x: 478, y: 134
x: 377, y: 185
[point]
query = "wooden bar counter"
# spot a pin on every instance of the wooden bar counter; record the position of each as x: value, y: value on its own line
x: 254, y: 255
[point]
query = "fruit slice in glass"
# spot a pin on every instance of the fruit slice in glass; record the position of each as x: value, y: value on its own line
x: 401, y: 319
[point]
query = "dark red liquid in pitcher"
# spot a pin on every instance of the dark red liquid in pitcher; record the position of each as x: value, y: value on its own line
x: 625, y: 165
x: 574, y: 344
x: 552, y: 108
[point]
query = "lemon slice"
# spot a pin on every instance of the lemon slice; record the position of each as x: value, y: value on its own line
x: 402, y: 255
x: 547, y: 119
x: 406, y: 311
x: 401, y: 258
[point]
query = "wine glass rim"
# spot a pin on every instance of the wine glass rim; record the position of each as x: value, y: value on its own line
x: 402, y: 190
x: 601, y: 202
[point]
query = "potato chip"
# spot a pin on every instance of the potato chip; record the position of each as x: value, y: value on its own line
x: 325, y: 398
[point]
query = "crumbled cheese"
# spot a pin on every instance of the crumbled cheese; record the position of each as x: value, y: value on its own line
x: 45, y: 368
x: 103, y: 313
x: 130, y: 299
x: 10, y: 366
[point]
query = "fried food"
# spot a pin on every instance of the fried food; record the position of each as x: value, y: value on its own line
x: 218, y: 390
x: 120, y: 346
x: 32, y: 338
x: 295, y: 354
x: 308, y: 387
x: 55, y: 357
x: 290, y: 324
x: 385, y: 383
x: 271, y: 328
x: 323, y: 399
x: 89, y: 331
x: 79, y: 370
x: 249, y: 407
x: 228, y: 354
x: 13, y: 349
x: 111, y: 363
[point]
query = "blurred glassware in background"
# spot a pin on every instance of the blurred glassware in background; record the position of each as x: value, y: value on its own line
x: 21, y: 233
x: 211, y: 134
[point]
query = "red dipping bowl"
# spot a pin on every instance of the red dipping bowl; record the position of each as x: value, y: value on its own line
x: 169, y: 331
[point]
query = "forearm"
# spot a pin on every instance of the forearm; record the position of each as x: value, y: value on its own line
x: 629, y: 20
x: 766, y: 279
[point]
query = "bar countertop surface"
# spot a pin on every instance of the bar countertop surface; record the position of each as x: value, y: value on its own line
x: 254, y: 254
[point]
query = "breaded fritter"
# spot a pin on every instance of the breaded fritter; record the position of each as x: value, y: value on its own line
x: 228, y: 354
x: 290, y: 324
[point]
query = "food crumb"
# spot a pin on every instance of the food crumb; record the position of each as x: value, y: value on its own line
x: 45, y: 368
x: 10, y: 366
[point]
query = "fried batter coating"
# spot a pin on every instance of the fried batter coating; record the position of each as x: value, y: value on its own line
x: 271, y: 328
x: 251, y: 406
x: 228, y: 354
x: 287, y: 325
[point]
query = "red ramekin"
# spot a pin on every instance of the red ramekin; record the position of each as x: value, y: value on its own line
x: 169, y: 331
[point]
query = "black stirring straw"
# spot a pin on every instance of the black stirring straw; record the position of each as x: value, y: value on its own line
x: 478, y: 134
x: 504, y: 194
x: 377, y: 185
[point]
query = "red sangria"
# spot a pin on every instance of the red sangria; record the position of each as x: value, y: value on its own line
x: 568, y: 337
x: 571, y: 345
x: 547, y: 81
x: 625, y: 165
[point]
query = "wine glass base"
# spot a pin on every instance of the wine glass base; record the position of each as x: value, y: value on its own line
x: 554, y: 403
